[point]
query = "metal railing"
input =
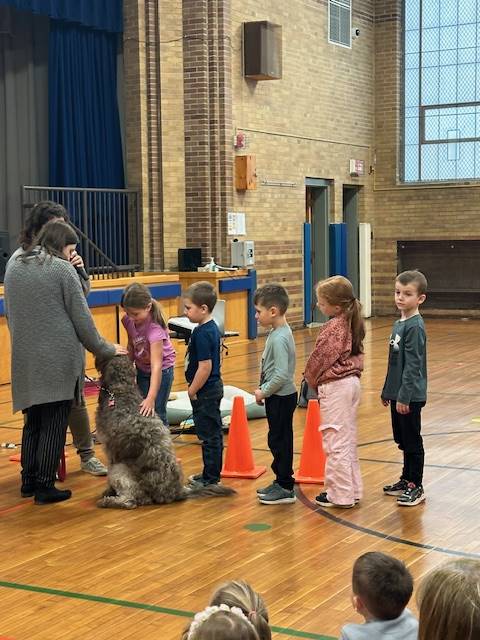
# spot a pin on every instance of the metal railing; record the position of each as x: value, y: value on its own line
x: 107, y: 222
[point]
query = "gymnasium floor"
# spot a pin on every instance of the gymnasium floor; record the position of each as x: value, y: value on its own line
x: 72, y: 571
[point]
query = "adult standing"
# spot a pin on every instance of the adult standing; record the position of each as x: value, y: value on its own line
x: 49, y: 323
x: 78, y: 419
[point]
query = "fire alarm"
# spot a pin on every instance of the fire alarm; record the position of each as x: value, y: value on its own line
x: 240, y: 141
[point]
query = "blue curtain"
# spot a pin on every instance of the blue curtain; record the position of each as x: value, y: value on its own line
x: 105, y: 15
x: 85, y: 148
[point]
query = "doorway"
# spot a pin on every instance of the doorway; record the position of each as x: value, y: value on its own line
x: 317, y: 208
x: 350, y: 218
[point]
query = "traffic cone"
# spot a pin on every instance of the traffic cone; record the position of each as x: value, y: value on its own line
x: 239, y: 461
x: 312, y: 460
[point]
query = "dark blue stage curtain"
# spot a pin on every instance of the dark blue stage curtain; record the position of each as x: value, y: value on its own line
x: 85, y: 148
x: 105, y: 15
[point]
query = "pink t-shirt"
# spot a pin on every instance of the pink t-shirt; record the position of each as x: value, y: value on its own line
x: 142, y: 336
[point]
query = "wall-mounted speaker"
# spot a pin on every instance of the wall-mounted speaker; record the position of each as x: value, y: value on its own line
x: 189, y: 259
x: 262, y: 50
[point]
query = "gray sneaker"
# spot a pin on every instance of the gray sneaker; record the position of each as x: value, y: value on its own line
x: 264, y: 490
x: 278, y: 495
x: 94, y: 467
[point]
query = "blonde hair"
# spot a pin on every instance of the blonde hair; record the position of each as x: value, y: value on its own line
x: 138, y: 296
x: 224, y: 625
x: 449, y: 602
x: 338, y: 291
x: 238, y: 593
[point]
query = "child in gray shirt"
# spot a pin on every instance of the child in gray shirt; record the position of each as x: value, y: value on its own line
x: 277, y: 390
x: 381, y: 589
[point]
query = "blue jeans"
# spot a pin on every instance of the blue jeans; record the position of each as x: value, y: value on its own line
x: 143, y: 382
x: 208, y: 427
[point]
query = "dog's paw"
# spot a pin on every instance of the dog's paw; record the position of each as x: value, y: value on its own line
x: 109, y: 492
x: 114, y: 502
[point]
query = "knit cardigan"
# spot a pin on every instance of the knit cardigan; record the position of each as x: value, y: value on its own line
x: 49, y: 321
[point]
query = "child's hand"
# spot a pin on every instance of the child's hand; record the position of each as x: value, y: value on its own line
x: 385, y: 402
x: 402, y: 408
x: 259, y: 397
x: 147, y: 407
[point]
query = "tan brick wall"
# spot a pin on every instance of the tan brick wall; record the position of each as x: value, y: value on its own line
x: 153, y: 90
x: 173, y: 131
x: 308, y: 124
x: 404, y: 212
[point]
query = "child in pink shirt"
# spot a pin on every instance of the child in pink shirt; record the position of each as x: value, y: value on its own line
x: 150, y: 348
x: 334, y: 367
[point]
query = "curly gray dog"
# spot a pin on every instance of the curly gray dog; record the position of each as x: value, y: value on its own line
x: 142, y: 467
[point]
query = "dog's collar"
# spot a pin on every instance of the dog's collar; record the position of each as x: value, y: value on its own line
x: 111, y: 395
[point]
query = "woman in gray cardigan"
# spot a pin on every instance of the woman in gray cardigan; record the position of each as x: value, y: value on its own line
x: 49, y: 323
x: 78, y: 420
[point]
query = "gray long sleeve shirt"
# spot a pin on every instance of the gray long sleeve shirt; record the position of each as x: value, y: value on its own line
x: 278, y: 363
x: 405, y: 627
x: 49, y: 321
x: 406, y: 379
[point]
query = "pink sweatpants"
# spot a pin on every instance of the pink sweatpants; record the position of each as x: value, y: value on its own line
x: 339, y: 402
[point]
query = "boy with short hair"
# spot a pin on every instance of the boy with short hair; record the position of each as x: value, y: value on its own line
x: 381, y: 589
x: 405, y: 388
x: 277, y: 389
x: 205, y: 386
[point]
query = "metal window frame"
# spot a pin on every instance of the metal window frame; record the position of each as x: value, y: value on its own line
x: 452, y: 105
x: 343, y: 4
x: 422, y: 109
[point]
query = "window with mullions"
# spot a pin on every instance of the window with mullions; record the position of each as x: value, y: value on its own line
x: 441, y: 132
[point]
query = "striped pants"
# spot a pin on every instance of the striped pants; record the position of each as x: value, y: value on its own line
x: 43, y: 440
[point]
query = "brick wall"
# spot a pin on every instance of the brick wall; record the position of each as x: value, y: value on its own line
x: 308, y: 124
x: 207, y: 95
x: 153, y: 89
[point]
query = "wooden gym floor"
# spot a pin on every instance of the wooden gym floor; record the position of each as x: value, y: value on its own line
x: 72, y: 571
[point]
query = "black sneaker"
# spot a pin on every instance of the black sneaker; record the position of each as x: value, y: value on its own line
x: 395, y: 489
x: 48, y: 495
x: 412, y: 496
x: 323, y: 501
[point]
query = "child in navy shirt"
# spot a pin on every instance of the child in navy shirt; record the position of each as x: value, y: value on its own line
x: 205, y: 386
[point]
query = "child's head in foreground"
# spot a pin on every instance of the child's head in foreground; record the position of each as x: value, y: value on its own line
x: 449, y: 601
x: 381, y: 585
x: 271, y: 301
x: 220, y: 623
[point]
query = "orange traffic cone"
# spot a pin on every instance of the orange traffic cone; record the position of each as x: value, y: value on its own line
x: 239, y: 461
x: 312, y: 460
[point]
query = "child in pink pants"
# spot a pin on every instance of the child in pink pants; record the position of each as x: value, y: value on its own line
x: 334, y: 368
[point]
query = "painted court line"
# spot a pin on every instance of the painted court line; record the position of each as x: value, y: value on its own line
x: 293, y: 633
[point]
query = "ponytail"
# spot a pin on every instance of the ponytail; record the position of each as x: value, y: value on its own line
x: 157, y: 314
x: 357, y: 326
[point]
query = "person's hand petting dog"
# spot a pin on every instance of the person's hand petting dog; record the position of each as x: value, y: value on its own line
x: 147, y: 407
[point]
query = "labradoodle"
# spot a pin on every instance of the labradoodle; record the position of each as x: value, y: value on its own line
x: 142, y: 467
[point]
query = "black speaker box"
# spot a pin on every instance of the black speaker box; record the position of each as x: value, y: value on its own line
x: 189, y: 259
x: 262, y: 50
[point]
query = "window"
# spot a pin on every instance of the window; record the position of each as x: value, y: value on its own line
x: 441, y: 132
x: 340, y: 22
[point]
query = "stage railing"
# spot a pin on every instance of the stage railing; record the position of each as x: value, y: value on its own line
x: 107, y: 221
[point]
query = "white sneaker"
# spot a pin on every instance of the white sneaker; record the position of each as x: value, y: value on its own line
x: 94, y: 467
